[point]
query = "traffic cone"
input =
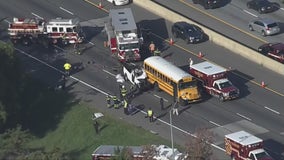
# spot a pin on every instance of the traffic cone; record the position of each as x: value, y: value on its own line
x: 263, y: 84
x: 100, y: 5
x: 171, y: 41
x: 200, y: 55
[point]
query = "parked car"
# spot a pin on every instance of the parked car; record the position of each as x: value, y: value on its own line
x: 188, y: 32
x: 262, y: 6
x: 208, y: 4
x: 273, y: 50
x: 264, y: 26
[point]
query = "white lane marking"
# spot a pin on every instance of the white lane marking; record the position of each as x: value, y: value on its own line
x: 282, y: 9
x: 66, y: 10
x: 272, y: 110
x: 243, y: 116
x: 37, y: 15
x: 216, y: 124
x: 109, y: 73
x: 74, y: 78
x: 175, y: 127
x: 161, y: 97
x: 91, y: 43
x: 250, y: 13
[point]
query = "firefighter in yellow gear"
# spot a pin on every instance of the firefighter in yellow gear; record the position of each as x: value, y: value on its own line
x: 67, y: 67
x: 123, y: 92
x: 157, y: 52
x: 150, y: 115
x: 115, y: 102
x: 108, y: 99
x: 125, y: 107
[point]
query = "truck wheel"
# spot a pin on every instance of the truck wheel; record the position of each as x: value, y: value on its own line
x: 156, y: 87
x: 182, y: 102
x: 221, y: 98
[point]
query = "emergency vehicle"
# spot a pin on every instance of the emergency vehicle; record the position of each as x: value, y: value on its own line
x: 214, y: 80
x: 245, y: 146
x: 56, y: 30
x: 122, y: 35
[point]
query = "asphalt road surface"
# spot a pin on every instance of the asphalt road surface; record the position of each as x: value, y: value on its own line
x: 258, y: 110
x: 231, y: 19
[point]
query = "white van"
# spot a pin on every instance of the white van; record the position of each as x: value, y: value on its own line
x: 119, y: 2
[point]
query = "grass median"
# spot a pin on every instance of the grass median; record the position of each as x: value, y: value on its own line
x: 75, y: 134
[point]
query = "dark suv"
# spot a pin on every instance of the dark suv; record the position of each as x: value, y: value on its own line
x: 208, y: 4
x: 262, y: 6
x: 273, y: 50
x: 188, y: 32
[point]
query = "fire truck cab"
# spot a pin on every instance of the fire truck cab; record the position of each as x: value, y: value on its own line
x: 214, y: 80
x: 245, y: 146
x: 68, y: 30
x: 122, y: 35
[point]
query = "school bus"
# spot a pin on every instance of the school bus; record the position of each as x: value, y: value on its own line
x: 164, y: 75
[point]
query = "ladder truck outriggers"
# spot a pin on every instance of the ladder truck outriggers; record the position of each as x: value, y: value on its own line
x: 28, y: 30
x: 122, y: 35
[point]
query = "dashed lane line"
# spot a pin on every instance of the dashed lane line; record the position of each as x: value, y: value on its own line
x: 250, y: 13
x: 272, y: 110
x: 66, y: 10
x: 245, y: 117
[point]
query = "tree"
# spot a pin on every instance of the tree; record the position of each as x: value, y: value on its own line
x: 10, y: 83
x: 13, y: 141
x: 199, y: 147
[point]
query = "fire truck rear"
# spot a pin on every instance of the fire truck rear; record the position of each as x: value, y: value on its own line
x: 122, y: 35
x: 245, y: 146
x: 30, y: 30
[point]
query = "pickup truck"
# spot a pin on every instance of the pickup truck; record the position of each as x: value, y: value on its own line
x: 135, y: 75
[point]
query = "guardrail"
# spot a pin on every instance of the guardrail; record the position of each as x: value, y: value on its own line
x: 214, y: 36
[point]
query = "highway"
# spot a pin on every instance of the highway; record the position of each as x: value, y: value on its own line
x: 231, y: 19
x: 258, y: 110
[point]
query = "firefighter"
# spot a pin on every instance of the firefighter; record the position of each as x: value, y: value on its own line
x: 108, y: 99
x: 162, y: 103
x: 125, y: 107
x: 150, y: 115
x: 76, y: 48
x: 67, y: 67
x: 157, y: 52
x: 115, y: 102
x: 152, y: 47
x: 123, y: 92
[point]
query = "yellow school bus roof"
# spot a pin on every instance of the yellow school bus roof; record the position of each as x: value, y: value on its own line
x: 167, y: 68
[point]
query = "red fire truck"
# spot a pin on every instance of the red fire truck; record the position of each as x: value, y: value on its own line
x: 56, y: 30
x: 122, y: 35
x: 214, y: 80
x: 245, y: 146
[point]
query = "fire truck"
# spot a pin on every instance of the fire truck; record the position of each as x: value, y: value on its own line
x: 214, y: 80
x: 245, y: 146
x: 28, y: 30
x: 122, y: 35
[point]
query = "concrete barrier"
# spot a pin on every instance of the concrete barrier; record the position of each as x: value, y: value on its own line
x: 216, y: 38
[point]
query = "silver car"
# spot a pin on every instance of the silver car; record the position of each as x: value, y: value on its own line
x: 264, y: 26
